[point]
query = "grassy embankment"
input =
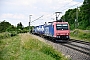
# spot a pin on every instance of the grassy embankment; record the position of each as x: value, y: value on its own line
x: 80, y: 35
x: 7, y: 34
x: 26, y: 47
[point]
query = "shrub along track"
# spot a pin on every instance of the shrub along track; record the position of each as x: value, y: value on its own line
x: 74, y: 49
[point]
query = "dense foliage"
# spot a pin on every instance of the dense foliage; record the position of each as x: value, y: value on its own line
x: 7, y: 27
x: 83, y: 19
x: 80, y: 35
x: 4, y: 25
x: 8, y: 30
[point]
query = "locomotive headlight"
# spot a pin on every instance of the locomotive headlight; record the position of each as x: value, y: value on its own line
x: 67, y: 37
x: 58, y: 36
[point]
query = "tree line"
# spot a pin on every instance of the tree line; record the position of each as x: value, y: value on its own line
x: 79, y: 17
x: 7, y: 27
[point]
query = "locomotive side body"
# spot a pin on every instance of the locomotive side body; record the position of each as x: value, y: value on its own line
x: 49, y: 30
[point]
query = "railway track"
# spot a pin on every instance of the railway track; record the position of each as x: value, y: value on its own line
x: 77, y: 50
x: 79, y: 41
x: 81, y: 46
x: 78, y: 45
x: 82, y: 49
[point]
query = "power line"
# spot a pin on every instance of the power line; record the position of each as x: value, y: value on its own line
x: 71, y: 6
x: 57, y: 9
x: 63, y: 9
x: 37, y: 18
x: 65, y: 5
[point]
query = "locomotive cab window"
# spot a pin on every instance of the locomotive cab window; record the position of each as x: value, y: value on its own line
x: 62, y: 26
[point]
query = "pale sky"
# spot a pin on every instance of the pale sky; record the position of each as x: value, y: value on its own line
x: 15, y: 11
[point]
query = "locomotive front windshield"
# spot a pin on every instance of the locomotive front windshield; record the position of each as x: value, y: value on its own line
x: 62, y: 26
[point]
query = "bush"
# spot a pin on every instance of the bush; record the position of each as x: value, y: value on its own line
x: 4, y: 35
x: 88, y: 28
x: 82, y: 34
x: 22, y: 31
x: 13, y: 33
x: 7, y: 34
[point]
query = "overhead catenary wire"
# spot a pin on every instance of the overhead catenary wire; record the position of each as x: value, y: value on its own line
x: 71, y: 6
x: 52, y: 13
x: 65, y: 5
x: 37, y: 18
x: 57, y: 9
x: 64, y: 9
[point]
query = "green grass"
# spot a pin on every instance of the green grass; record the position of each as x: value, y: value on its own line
x: 26, y: 47
x: 10, y: 48
x: 80, y: 35
x: 7, y: 34
x: 4, y: 35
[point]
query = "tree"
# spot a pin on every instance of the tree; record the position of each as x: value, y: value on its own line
x: 4, y: 25
x: 83, y: 16
x: 20, y: 26
x: 11, y: 28
x: 85, y: 9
